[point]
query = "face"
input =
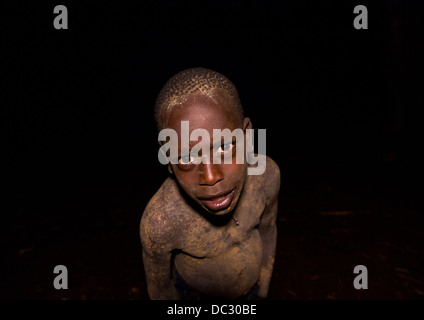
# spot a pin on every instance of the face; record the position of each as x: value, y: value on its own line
x: 215, y: 187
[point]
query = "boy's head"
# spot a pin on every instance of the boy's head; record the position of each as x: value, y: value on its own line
x: 208, y: 101
x: 194, y: 81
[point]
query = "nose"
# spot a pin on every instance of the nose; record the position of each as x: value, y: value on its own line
x: 210, y: 174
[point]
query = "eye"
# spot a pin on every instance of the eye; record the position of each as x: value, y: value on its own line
x: 186, y: 160
x: 225, y: 148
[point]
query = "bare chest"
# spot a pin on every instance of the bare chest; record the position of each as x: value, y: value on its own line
x: 202, y: 239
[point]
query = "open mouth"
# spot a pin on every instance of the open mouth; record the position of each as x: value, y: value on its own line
x: 220, y: 202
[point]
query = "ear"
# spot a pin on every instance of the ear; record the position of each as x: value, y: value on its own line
x: 247, y: 124
x: 161, y: 152
x: 164, y: 155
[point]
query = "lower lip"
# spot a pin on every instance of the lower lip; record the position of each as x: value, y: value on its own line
x: 219, y: 204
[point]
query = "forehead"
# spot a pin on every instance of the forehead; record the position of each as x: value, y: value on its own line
x: 205, y: 112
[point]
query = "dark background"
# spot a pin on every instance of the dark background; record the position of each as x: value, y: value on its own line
x: 341, y: 107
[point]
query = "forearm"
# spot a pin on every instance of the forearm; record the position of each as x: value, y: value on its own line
x: 162, y: 292
x: 160, y: 285
x: 269, y: 243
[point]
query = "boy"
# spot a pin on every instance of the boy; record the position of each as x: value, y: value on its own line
x: 210, y: 230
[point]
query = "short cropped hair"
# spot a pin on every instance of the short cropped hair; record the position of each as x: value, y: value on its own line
x: 190, y: 82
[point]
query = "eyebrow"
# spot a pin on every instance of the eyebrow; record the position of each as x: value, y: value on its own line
x: 182, y: 153
x: 218, y: 144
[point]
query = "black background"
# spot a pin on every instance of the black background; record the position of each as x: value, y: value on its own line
x: 341, y: 108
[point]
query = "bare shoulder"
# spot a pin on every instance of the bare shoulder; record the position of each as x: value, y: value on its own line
x: 270, y: 180
x: 272, y: 168
x: 158, y: 227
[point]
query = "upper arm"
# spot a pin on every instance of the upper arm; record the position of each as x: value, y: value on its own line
x: 155, y: 232
x: 272, y: 180
x: 157, y: 238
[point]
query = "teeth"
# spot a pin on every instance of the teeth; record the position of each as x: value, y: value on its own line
x: 218, y: 198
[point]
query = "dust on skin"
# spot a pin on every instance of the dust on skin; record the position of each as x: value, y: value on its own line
x: 222, y: 259
x: 180, y: 233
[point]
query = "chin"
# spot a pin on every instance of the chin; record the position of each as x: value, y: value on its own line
x: 220, y: 212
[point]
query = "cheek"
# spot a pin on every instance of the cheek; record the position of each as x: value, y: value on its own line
x: 234, y: 172
x: 186, y: 180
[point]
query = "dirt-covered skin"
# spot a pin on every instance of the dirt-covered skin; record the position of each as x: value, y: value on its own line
x: 211, y: 225
x: 212, y: 254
